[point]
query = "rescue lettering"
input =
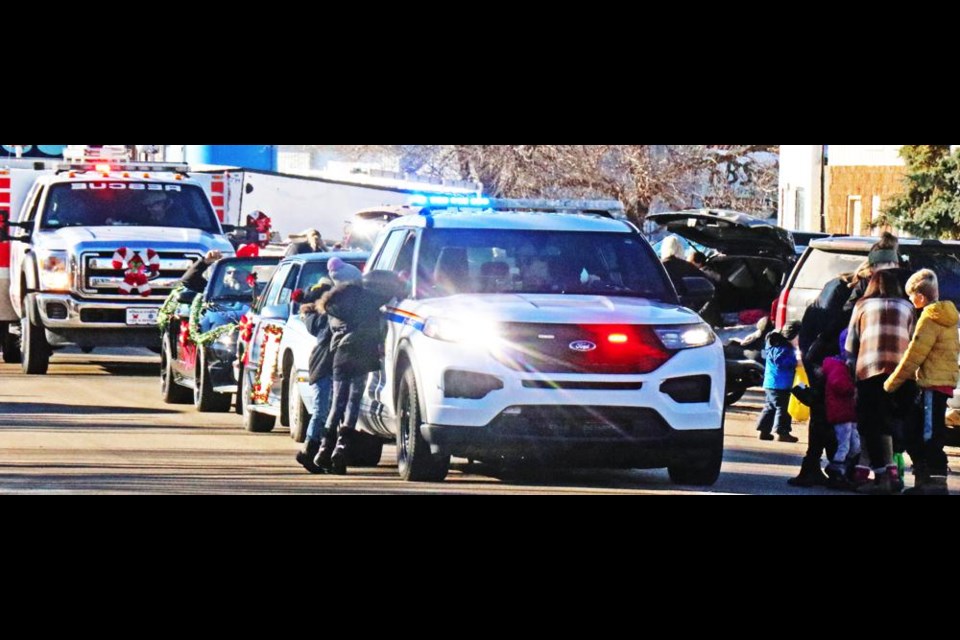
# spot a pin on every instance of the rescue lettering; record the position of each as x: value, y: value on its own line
x: 132, y: 186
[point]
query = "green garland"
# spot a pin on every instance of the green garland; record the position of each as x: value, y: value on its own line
x: 169, y: 306
x: 203, y: 339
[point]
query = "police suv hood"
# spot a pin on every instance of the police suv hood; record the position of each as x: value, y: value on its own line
x: 157, y: 238
x: 558, y: 309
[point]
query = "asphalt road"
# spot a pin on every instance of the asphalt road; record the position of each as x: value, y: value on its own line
x: 96, y: 425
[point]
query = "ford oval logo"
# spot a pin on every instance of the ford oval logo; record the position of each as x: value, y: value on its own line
x: 582, y: 345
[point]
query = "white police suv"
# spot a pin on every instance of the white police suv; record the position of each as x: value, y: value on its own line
x: 549, y: 337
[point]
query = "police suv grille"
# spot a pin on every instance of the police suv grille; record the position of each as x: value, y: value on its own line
x: 579, y: 422
x: 100, y: 280
x: 570, y: 348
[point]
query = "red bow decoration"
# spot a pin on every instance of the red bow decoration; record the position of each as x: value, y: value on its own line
x: 263, y: 224
x: 248, y: 251
x: 245, y: 327
x: 297, y: 295
x: 138, y: 267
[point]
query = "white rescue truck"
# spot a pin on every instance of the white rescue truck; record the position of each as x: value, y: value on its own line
x: 90, y: 247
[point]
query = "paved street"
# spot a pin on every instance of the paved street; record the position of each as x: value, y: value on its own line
x: 96, y: 424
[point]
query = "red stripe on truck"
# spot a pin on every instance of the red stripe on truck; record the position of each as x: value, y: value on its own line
x: 4, y: 254
x: 217, y: 185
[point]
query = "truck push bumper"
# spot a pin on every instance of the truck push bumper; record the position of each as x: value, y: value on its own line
x: 71, y: 321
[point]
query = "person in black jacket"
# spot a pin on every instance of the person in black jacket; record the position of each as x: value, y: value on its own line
x: 354, y: 311
x: 193, y: 277
x: 321, y: 368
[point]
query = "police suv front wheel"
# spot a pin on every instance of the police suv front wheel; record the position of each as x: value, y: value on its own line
x: 415, y: 462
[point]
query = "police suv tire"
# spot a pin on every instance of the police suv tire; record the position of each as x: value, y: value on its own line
x: 34, y: 348
x: 172, y: 392
x: 702, y: 471
x: 415, y: 462
x: 365, y: 450
x: 299, y: 416
x: 205, y: 399
x: 253, y: 421
x: 10, y: 344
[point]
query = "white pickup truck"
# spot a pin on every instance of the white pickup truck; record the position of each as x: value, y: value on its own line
x: 96, y: 247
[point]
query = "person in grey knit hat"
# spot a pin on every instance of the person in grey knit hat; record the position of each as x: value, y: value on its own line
x: 342, y: 272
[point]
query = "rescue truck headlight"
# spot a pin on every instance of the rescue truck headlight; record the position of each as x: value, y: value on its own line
x: 464, y: 331
x: 685, y: 336
x: 53, y: 271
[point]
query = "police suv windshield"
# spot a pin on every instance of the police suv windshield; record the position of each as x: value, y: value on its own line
x: 114, y: 203
x: 456, y: 261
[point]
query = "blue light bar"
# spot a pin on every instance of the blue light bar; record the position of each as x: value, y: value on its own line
x: 449, y: 200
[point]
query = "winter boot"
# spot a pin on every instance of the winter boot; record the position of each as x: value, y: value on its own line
x: 324, y: 455
x: 860, y: 476
x: 837, y: 477
x: 306, y: 455
x: 936, y: 486
x: 338, y: 461
x: 921, y: 477
x: 886, y: 482
x: 811, y: 475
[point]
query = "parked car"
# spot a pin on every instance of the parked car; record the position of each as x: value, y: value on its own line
x: 801, y: 239
x: 207, y: 369
x: 750, y: 256
x: 274, y: 367
x: 749, y: 259
x: 826, y: 258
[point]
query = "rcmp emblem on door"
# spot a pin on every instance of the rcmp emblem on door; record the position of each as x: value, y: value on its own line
x: 582, y: 346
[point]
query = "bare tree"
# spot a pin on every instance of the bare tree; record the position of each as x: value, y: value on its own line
x: 642, y: 177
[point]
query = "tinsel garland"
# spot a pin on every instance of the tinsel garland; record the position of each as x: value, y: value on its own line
x: 203, y: 339
x: 168, y: 307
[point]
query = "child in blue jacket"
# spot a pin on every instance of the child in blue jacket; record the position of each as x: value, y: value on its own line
x: 777, y: 381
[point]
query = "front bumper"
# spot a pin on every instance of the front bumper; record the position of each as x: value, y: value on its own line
x: 628, y: 437
x: 67, y: 320
x: 63, y: 311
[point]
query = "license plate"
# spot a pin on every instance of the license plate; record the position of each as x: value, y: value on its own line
x: 142, y: 315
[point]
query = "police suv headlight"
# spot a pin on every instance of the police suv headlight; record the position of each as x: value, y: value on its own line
x: 54, y: 270
x: 686, y: 336
x: 474, y: 332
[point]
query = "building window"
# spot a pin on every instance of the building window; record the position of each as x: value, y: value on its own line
x: 854, y: 215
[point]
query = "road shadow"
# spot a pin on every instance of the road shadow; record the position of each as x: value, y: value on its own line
x: 27, y: 408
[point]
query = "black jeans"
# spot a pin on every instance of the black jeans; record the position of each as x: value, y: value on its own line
x: 876, y: 415
x: 928, y: 455
x: 821, y: 436
x: 345, y: 406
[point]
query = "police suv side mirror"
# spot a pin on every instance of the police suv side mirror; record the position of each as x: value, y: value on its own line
x: 699, y: 292
x: 187, y: 296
